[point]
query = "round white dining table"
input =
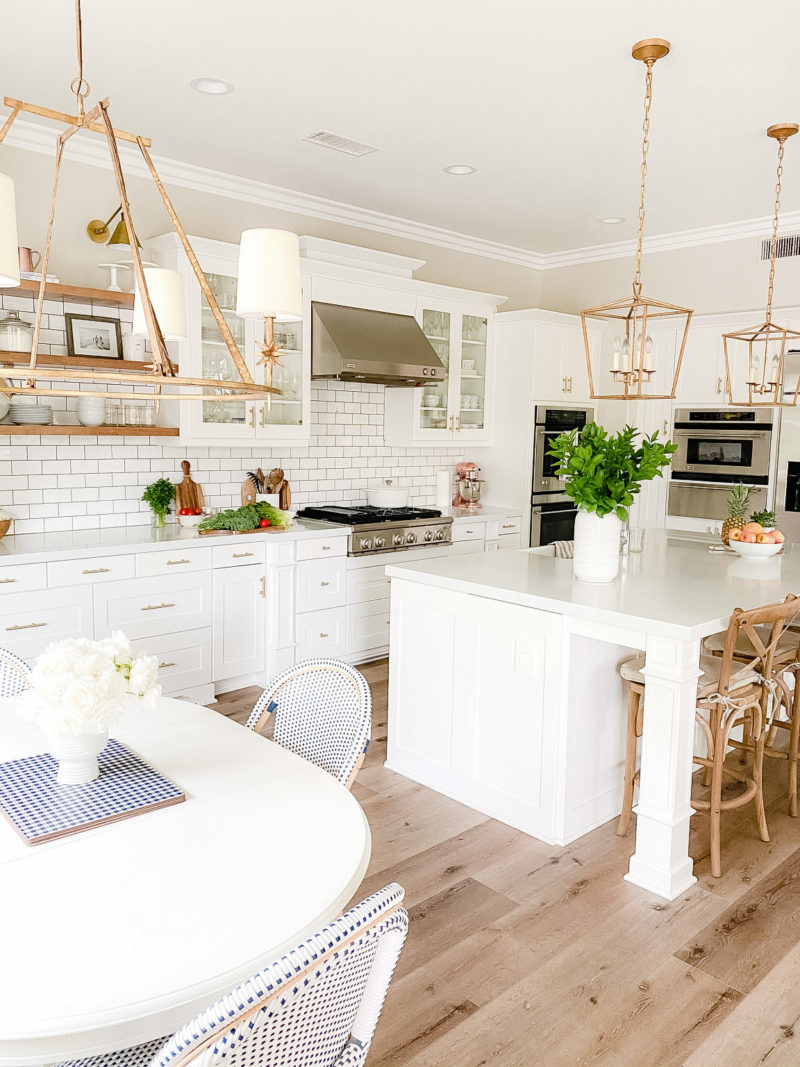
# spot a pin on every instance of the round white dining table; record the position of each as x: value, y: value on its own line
x: 122, y: 933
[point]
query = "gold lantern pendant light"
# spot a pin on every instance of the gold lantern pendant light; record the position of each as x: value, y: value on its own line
x: 161, y: 373
x: 762, y: 348
x: 632, y: 353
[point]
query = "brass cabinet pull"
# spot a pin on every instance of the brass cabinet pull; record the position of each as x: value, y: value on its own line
x: 469, y: 531
x: 323, y: 635
x: 458, y: 424
x: 97, y: 570
x: 326, y: 548
x: 253, y: 416
x: 719, y: 386
x: 175, y: 562
x: 509, y: 526
x: 324, y: 583
x: 241, y: 555
x: 452, y: 420
x: 26, y: 626
x: 263, y: 416
x: 7, y: 581
x: 263, y: 584
x: 161, y: 666
x: 156, y: 607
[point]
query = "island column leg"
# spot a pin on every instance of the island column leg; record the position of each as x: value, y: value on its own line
x: 661, y: 862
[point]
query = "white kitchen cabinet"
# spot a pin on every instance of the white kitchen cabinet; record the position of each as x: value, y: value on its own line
x: 367, y: 628
x: 321, y: 583
x: 184, y: 659
x: 153, y: 606
x: 30, y: 621
x: 456, y: 410
x: 239, y: 621
x: 702, y: 377
x: 281, y: 419
x: 321, y: 633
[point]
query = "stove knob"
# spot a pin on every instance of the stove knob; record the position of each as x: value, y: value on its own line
x: 428, y: 535
x: 379, y: 542
x: 398, y: 539
x: 411, y: 538
x: 366, y: 543
x: 440, y: 535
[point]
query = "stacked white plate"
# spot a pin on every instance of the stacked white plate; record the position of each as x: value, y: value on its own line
x: 31, y: 414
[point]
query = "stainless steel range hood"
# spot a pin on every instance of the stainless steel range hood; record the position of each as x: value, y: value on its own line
x: 371, y: 346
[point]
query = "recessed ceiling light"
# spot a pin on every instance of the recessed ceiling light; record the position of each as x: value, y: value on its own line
x: 611, y: 220
x: 460, y: 168
x: 212, y: 86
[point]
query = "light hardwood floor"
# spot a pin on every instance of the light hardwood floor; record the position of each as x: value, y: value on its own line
x: 520, y: 954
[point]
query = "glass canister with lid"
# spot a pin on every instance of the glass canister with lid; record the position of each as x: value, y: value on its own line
x: 16, y: 335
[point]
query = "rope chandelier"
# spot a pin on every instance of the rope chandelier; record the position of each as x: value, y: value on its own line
x: 764, y: 346
x: 162, y: 372
x: 631, y: 361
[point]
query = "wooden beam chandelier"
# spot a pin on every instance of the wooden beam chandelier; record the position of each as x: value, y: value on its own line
x: 757, y: 353
x: 162, y: 371
x: 629, y: 354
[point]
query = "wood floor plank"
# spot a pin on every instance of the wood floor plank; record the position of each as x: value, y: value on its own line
x: 744, y: 943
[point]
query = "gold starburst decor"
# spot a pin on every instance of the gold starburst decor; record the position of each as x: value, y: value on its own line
x: 630, y: 354
x: 161, y: 373
x: 754, y: 356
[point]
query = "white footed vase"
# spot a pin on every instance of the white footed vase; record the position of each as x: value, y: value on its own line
x: 77, y: 756
x: 596, y: 554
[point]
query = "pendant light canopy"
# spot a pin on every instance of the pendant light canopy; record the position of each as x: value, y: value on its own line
x: 754, y: 356
x: 628, y: 356
x: 9, y: 257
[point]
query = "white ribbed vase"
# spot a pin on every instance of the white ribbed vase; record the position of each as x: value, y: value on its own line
x: 596, y: 556
x: 77, y: 756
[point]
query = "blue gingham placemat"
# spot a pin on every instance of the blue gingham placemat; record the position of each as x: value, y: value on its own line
x: 41, y: 810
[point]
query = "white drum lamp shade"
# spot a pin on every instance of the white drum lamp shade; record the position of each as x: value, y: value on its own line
x: 269, y: 276
x: 9, y: 257
x: 166, y: 295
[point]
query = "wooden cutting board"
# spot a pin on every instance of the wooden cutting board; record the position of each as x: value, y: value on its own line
x: 188, y: 493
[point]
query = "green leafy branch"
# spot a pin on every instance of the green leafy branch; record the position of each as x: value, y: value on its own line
x: 604, y: 472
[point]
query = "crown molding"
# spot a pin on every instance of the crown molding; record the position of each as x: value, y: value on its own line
x: 33, y: 137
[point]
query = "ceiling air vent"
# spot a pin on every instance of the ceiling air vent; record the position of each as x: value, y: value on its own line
x: 340, y: 144
x: 784, y: 246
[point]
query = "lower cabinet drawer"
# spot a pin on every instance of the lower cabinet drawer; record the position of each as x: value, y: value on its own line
x: 468, y: 531
x: 460, y: 548
x: 20, y: 577
x: 367, y: 627
x: 321, y: 633
x: 151, y: 606
x: 321, y: 583
x: 178, y: 560
x: 367, y: 584
x: 184, y: 658
x: 510, y: 541
x: 29, y: 621
x: 90, y: 571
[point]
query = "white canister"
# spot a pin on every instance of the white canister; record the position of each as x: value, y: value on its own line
x: 91, y: 410
x: 597, y: 539
x: 444, y: 488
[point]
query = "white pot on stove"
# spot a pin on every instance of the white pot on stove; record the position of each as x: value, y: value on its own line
x: 388, y: 495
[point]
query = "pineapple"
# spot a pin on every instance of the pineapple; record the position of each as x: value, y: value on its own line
x: 738, y: 504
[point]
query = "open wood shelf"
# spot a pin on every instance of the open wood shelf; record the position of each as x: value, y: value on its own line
x: 20, y: 359
x: 90, y: 431
x: 78, y: 293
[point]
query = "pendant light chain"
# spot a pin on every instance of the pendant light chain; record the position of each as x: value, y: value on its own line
x: 648, y: 98
x: 79, y: 86
x: 773, y: 244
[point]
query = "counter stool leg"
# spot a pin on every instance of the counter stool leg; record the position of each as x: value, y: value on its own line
x: 794, y: 738
x: 758, y: 778
x: 632, y: 733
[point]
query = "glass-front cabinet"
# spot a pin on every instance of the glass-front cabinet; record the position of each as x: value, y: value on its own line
x: 455, y: 409
x: 281, y: 418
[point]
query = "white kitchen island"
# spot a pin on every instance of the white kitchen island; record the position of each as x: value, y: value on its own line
x: 504, y: 691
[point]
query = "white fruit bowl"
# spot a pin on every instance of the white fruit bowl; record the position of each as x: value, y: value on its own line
x: 190, y: 521
x: 752, y: 550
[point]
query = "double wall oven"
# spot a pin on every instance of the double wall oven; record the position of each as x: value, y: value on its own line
x: 552, y: 511
x: 717, y: 449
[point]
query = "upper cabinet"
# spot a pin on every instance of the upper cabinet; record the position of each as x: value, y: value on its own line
x: 458, y: 409
x: 280, y: 419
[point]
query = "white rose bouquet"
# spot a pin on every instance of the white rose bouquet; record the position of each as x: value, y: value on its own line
x: 79, y: 686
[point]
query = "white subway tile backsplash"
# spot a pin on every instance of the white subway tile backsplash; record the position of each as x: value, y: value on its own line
x: 64, y: 483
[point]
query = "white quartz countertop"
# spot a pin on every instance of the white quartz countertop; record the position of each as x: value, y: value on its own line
x: 677, y: 585
x: 483, y: 514
x: 75, y: 544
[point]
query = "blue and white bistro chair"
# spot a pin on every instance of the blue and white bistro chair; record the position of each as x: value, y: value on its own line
x: 323, y: 712
x: 317, y: 1006
x: 15, y: 674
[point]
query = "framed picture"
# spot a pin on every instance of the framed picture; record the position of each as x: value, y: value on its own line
x: 93, y: 335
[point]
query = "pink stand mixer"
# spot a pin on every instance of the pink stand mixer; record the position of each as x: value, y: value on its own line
x: 469, y: 487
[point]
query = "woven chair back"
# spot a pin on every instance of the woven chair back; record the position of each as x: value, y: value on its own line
x: 15, y: 674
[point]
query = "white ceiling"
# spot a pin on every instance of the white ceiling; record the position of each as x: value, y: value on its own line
x: 542, y: 97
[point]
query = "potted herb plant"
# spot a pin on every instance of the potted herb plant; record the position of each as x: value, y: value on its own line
x: 159, y: 497
x: 603, y: 473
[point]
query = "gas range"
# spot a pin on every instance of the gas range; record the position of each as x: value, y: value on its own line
x: 386, y: 529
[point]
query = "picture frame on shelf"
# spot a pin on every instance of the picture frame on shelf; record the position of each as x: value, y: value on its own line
x: 93, y: 335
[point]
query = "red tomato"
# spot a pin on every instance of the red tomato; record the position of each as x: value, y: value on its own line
x: 197, y: 511
x: 186, y: 511
x: 264, y: 523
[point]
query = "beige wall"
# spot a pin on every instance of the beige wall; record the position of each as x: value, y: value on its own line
x: 728, y: 276
x: 87, y: 192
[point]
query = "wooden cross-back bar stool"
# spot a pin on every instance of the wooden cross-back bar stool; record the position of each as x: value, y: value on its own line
x: 735, y: 689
